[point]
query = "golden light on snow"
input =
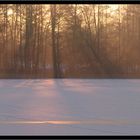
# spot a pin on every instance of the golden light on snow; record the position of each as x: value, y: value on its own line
x: 68, y: 122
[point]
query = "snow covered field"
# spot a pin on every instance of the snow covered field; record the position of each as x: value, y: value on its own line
x: 70, y: 107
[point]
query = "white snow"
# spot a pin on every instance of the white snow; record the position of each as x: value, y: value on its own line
x: 70, y: 107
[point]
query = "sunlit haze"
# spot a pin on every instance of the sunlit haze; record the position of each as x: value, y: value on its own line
x: 69, y: 40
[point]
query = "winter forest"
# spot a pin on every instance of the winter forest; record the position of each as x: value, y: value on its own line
x: 69, y: 41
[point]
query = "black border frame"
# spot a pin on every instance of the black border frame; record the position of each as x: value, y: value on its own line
x: 69, y: 1
x: 70, y: 136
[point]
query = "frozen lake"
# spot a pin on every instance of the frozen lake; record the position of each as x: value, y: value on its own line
x: 70, y: 107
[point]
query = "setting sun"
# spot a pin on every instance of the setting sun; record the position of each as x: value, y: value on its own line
x: 10, y: 12
x: 113, y: 7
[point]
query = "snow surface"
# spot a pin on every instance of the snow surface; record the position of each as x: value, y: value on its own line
x: 70, y: 107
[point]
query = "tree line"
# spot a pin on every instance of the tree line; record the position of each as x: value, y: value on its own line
x: 69, y: 41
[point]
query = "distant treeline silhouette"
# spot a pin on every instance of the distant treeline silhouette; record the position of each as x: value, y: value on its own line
x: 69, y: 41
